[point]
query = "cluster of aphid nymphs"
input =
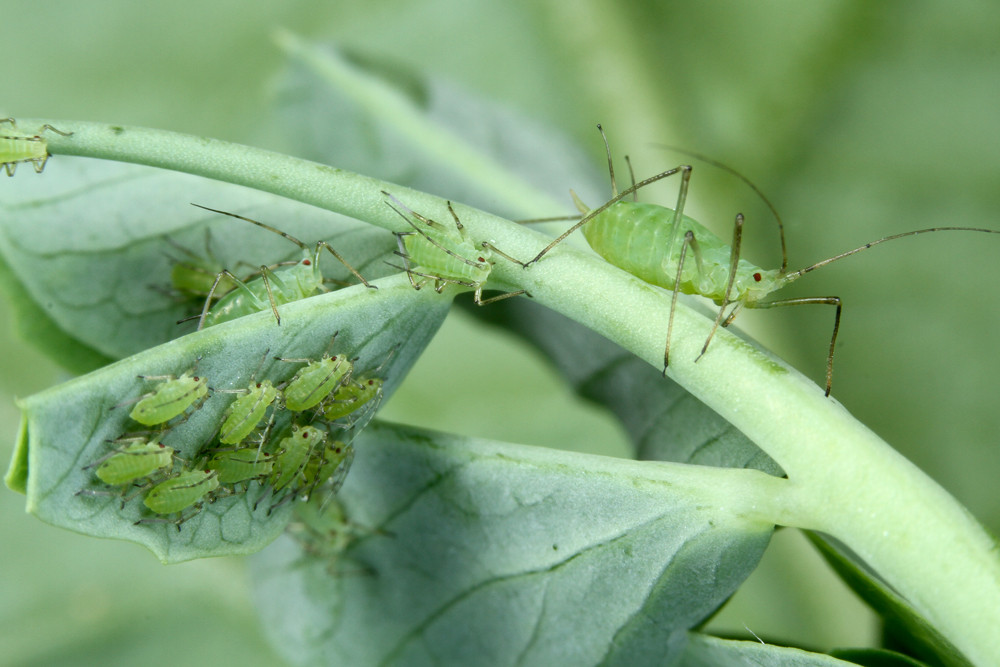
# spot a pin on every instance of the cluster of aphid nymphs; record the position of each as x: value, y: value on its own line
x: 278, y: 440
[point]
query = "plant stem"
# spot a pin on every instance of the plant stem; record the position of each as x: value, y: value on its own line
x: 842, y: 479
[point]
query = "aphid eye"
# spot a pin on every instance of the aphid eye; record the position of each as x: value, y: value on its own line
x: 757, y: 277
x: 306, y: 262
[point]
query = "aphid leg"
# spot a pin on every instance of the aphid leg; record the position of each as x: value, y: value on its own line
x: 689, y: 240
x: 343, y: 261
x: 823, y: 300
x: 734, y: 261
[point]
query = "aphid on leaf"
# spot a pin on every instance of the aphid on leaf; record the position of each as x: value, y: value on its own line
x: 275, y: 286
x: 436, y: 253
x: 292, y: 457
x: 656, y: 244
x: 316, y: 380
x: 173, y: 397
x: 327, y: 470
x: 139, y: 459
x: 176, y: 494
x: 241, y: 465
x: 351, y: 397
x: 246, y: 412
x: 139, y: 462
x: 16, y: 148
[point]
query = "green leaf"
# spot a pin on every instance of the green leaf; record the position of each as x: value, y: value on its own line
x: 426, y: 133
x: 706, y: 651
x: 68, y: 427
x: 539, y: 556
x: 91, y: 246
x: 902, y: 622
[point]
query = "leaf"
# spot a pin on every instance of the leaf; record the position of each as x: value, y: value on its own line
x: 706, y: 651
x: 90, y: 249
x: 426, y: 133
x: 68, y: 427
x: 903, y: 624
x: 476, y: 552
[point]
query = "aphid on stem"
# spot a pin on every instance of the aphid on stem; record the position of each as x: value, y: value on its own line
x: 655, y: 244
x: 17, y: 148
x: 275, y: 286
x: 438, y: 254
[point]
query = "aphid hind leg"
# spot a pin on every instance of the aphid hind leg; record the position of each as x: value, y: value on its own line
x: 324, y: 244
x: 823, y: 300
x: 689, y: 241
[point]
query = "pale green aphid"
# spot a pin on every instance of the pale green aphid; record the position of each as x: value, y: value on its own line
x: 652, y: 242
x: 442, y: 255
x: 328, y: 469
x: 275, y: 286
x: 293, y: 455
x: 174, y: 495
x: 135, y: 461
x: 351, y: 397
x: 171, y: 398
x: 16, y: 148
x: 241, y: 465
x: 316, y: 380
x: 245, y: 413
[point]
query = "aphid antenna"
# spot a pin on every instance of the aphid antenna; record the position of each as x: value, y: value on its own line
x: 795, y: 275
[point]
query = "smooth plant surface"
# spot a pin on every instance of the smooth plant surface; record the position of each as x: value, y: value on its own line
x: 521, y: 545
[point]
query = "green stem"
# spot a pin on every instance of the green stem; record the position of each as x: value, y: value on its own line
x: 842, y: 479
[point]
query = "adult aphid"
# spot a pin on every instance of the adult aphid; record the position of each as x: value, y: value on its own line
x: 171, y: 398
x: 439, y: 254
x: 276, y: 285
x: 293, y: 456
x: 316, y: 380
x: 17, y: 148
x: 652, y: 242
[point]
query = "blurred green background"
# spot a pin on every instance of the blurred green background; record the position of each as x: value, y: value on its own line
x: 857, y: 119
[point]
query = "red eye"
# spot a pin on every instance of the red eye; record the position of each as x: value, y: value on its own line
x: 757, y: 277
x: 306, y: 262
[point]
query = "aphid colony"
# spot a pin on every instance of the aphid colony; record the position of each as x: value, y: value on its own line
x: 278, y: 440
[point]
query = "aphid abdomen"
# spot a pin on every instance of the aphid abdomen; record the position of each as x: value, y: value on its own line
x: 453, y: 258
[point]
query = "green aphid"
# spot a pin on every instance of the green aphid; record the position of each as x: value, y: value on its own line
x: 351, y: 397
x: 316, y: 380
x: 275, y: 286
x: 293, y: 455
x: 16, y: 148
x: 245, y: 413
x: 174, y: 495
x: 170, y: 399
x: 241, y: 465
x: 327, y: 470
x: 656, y: 244
x: 135, y: 461
x: 442, y: 255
